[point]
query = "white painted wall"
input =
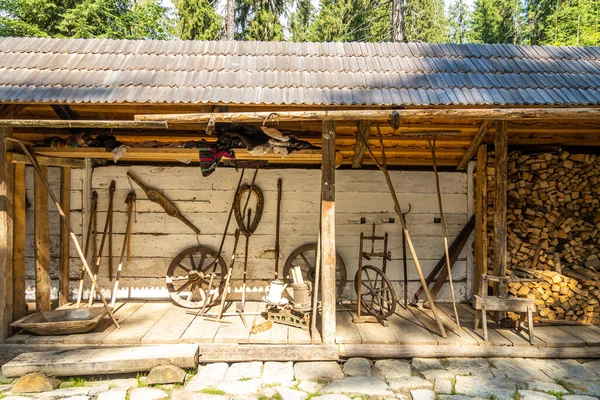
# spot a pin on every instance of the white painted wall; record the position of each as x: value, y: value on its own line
x: 157, y: 238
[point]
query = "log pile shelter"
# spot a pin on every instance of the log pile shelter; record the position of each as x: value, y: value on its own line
x: 506, y: 123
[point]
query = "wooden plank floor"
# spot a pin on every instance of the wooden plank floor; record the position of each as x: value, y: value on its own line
x: 409, y: 331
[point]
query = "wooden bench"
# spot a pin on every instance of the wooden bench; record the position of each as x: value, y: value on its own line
x: 484, y: 303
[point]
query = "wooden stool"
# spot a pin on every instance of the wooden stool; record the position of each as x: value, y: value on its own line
x: 485, y: 303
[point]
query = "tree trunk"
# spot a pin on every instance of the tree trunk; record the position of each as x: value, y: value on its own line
x: 230, y: 19
x: 397, y: 28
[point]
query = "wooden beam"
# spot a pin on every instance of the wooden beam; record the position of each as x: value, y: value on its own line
x: 479, y: 136
x: 63, y: 266
x: 64, y: 123
x: 375, y: 115
x: 9, y: 110
x: 363, y: 127
x: 481, y: 240
x: 18, y: 158
x: 19, y: 275
x: 42, y: 244
x: 501, y: 159
x: 6, y: 237
x: 328, y: 254
x: 63, y: 111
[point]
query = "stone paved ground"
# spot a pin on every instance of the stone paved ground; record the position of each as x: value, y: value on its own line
x: 417, y: 379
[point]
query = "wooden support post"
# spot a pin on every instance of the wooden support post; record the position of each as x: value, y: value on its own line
x: 328, y: 233
x: 19, y: 284
x: 501, y: 159
x: 363, y: 128
x: 473, y: 147
x: 42, y: 244
x: 6, y: 236
x: 481, y: 241
x: 65, y: 203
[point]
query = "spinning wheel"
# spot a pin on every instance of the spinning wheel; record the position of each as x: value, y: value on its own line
x: 377, y: 296
x: 189, y: 274
x: 304, y: 257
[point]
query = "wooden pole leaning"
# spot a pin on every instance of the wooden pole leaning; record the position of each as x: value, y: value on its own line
x: 315, y: 299
x: 444, y: 230
x: 88, y: 238
x: 130, y: 203
x: 383, y: 167
x: 37, y: 169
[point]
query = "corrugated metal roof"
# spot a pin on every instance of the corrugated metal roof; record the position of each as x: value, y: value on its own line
x: 40, y: 70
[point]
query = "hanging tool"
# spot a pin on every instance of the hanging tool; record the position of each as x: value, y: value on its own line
x: 250, y: 227
x: 404, y: 260
x: 88, y: 238
x: 444, y: 230
x: 383, y: 167
x: 279, y: 184
x: 168, y: 206
x: 65, y: 220
x: 207, y: 295
x: 130, y: 200
x: 111, y: 191
x: 228, y: 278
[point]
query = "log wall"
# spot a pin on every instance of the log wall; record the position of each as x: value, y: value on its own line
x: 54, y: 229
x: 157, y: 238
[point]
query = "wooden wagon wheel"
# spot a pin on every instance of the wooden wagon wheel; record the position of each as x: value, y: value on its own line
x: 189, y: 274
x: 377, y: 294
x: 304, y: 257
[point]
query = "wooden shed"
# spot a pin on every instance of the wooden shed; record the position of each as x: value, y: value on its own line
x: 95, y: 110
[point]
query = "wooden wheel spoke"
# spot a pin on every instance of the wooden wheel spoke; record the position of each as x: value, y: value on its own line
x: 201, y: 263
x: 305, y: 260
x: 184, y: 286
x: 192, y: 263
x: 183, y: 267
x: 208, y: 267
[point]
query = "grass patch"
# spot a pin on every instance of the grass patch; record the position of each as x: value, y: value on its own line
x: 277, y: 396
x: 73, y: 382
x: 453, y: 383
x: 5, y: 381
x: 493, y: 397
x: 191, y: 372
x: 558, y: 395
x: 139, y: 378
x: 244, y: 379
x: 216, y: 392
x: 517, y: 395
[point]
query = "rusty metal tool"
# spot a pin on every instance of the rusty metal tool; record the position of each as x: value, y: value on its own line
x: 168, y: 206
x: 111, y: 189
x: 130, y: 200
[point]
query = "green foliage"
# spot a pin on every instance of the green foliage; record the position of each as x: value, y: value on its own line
x: 140, y: 379
x: 558, y: 395
x: 498, y: 21
x: 300, y: 21
x: 198, y: 20
x: 459, y: 22
x: 260, y: 19
x: 352, y: 20
x: 115, y: 19
x: 425, y: 21
x: 73, y: 382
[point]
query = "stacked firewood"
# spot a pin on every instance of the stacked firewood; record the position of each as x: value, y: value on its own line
x: 553, y: 231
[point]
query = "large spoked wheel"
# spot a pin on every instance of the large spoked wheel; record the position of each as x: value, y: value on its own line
x: 377, y: 295
x: 305, y: 257
x: 189, y: 274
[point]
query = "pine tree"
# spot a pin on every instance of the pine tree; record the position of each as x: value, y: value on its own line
x: 260, y: 19
x: 459, y: 22
x: 425, y: 21
x: 301, y: 20
x: 352, y: 20
x: 116, y: 19
x: 499, y: 21
x: 198, y: 20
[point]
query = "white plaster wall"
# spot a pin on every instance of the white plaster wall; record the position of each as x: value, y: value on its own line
x: 157, y: 238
